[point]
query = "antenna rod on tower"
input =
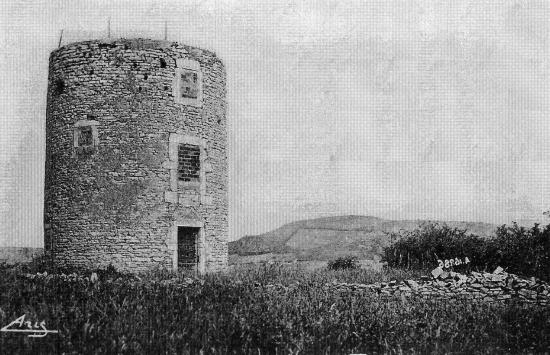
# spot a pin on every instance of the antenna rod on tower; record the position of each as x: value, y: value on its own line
x: 165, y: 30
x: 60, y: 37
x: 109, y: 27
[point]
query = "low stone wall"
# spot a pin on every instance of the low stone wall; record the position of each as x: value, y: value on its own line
x: 498, y: 286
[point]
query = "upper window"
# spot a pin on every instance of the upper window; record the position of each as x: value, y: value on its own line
x: 188, y: 82
x: 189, y: 85
x: 189, y: 162
x: 85, y: 137
x: 188, y: 165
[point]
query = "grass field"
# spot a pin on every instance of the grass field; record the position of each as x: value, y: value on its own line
x: 164, y: 313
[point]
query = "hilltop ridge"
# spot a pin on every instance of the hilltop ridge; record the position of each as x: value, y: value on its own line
x: 328, y: 237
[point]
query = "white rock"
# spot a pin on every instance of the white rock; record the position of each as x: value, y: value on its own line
x: 437, y: 272
x: 94, y: 278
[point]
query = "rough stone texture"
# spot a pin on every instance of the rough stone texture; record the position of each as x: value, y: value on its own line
x: 498, y: 286
x: 116, y: 202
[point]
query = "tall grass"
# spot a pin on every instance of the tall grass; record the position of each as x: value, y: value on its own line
x: 279, y: 273
x: 238, y: 312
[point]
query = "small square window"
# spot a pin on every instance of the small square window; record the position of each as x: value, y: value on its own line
x: 85, y: 137
x: 189, y: 162
x: 189, y: 86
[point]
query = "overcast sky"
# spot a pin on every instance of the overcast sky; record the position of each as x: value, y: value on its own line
x: 397, y: 109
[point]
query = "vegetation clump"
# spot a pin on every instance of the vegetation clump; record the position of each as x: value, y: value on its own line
x: 519, y: 250
x: 344, y: 263
x: 240, y: 312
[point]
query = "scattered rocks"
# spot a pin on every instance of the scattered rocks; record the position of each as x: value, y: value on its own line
x: 437, y: 272
x: 498, y: 286
x: 412, y: 284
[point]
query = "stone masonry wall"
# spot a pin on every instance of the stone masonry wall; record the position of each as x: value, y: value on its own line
x: 116, y: 202
x: 498, y: 286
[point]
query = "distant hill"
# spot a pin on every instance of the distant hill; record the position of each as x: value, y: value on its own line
x: 330, y: 237
x: 12, y: 255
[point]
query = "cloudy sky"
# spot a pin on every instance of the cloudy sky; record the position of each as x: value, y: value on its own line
x: 398, y: 109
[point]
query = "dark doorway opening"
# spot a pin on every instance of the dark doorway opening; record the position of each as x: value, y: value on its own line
x: 188, y: 255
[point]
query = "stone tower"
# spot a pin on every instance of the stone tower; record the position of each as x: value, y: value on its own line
x: 136, y: 162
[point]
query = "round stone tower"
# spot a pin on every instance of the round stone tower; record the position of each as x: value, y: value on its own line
x: 136, y: 163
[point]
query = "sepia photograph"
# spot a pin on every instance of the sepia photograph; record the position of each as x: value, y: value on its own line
x: 275, y: 177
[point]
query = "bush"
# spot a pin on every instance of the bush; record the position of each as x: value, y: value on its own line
x: 344, y: 262
x: 524, y: 251
x: 109, y: 272
x: 422, y: 247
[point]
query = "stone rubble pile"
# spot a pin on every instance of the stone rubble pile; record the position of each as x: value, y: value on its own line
x: 496, y: 286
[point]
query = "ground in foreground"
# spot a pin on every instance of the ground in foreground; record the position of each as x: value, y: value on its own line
x: 237, y: 312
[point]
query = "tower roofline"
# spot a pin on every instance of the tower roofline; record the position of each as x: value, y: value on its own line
x: 136, y: 44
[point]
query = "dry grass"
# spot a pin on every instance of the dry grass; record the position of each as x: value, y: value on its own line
x: 236, y: 313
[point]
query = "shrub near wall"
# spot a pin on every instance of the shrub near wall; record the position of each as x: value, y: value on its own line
x: 422, y: 247
x: 520, y: 250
